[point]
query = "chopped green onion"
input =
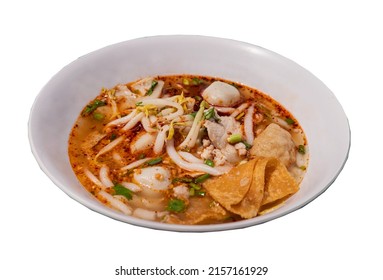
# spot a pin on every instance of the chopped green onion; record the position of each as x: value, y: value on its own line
x: 209, y: 162
x: 192, y: 191
x: 176, y: 205
x: 185, y: 82
x: 301, y: 149
x: 150, y: 91
x: 195, y: 186
x: 195, y: 192
x: 204, y: 104
x: 208, y: 114
x: 139, y: 104
x: 289, y: 121
x: 121, y: 190
x: 234, y: 138
x: 91, y: 107
x: 98, y: 116
x: 196, y: 81
x: 202, y: 178
x: 154, y: 161
x: 193, y: 114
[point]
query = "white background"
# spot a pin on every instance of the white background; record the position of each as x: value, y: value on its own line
x: 46, y: 235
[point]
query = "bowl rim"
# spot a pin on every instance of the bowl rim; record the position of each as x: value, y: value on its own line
x: 101, y: 209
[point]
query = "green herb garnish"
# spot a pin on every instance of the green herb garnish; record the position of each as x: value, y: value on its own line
x: 289, y: 121
x: 185, y: 82
x: 234, y: 138
x: 121, y: 190
x: 301, y: 149
x: 194, y: 186
x: 153, y: 161
x: 153, y: 85
x: 98, y: 116
x: 202, y: 178
x: 91, y: 107
x: 209, y: 162
x: 209, y: 114
x: 192, y: 191
x: 176, y: 205
x: 204, y: 104
x: 196, y: 81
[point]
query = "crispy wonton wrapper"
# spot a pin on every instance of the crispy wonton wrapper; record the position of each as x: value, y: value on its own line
x: 200, y: 211
x: 257, y: 184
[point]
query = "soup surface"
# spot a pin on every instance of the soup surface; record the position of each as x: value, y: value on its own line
x: 188, y: 150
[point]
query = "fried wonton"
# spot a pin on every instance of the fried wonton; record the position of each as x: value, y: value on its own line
x: 230, y: 188
x: 200, y: 211
x: 276, y: 142
x: 256, y: 185
x: 278, y: 182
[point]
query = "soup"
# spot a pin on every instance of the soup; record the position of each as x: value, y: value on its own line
x: 188, y: 149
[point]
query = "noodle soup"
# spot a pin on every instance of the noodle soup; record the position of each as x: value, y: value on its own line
x: 188, y: 150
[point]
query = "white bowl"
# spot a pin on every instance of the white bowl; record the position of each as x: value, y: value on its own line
x: 311, y: 102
